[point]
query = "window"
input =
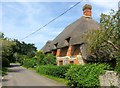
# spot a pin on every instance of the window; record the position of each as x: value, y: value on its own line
x: 67, y: 40
x: 56, y: 45
x: 61, y: 62
x: 71, y: 62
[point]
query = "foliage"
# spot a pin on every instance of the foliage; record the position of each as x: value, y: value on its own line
x: 57, y: 71
x: 79, y: 76
x: 104, y: 44
x: 7, y: 54
x: 117, y: 68
x: 3, y: 71
x: 13, y: 49
x: 29, y: 62
x: 49, y: 59
x: 22, y: 48
x: 39, y: 55
x: 22, y: 58
x: 45, y: 59
x: 5, y: 62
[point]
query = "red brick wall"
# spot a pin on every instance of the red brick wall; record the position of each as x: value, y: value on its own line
x: 64, y: 51
x: 76, y: 50
x: 75, y: 61
x: 58, y: 52
x: 69, y: 52
x: 54, y: 52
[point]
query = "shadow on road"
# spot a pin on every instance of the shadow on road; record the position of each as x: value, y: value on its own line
x: 14, y: 65
x: 4, y: 80
x: 14, y: 68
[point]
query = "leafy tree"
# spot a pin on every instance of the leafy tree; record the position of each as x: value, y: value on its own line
x: 104, y: 44
x: 45, y: 59
x: 39, y: 56
x: 7, y: 54
x: 49, y: 59
x: 1, y: 35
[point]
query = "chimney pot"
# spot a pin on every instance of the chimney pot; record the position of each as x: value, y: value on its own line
x: 87, y: 10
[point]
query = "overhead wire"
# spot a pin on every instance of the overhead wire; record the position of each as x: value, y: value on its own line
x: 51, y: 20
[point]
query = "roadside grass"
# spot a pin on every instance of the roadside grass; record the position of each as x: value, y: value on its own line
x: 31, y: 68
x: 60, y: 80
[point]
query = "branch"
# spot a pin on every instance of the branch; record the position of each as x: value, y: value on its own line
x: 115, y: 47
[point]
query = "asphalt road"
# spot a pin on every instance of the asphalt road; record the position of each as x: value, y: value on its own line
x: 19, y: 76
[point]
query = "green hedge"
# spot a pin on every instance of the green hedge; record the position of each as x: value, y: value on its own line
x: 29, y: 63
x: 117, y: 67
x: 3, y: 71
x: 57, y: 71
x: 5, y: 62
x: 85, y: 75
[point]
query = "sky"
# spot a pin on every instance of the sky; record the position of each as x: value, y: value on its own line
x: 20, y: 18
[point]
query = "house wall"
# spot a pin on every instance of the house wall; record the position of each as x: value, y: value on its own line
x: 70, y: 54
x: 64, y: 51
x: 58, y: 52
x: 54, y: 52
x: 76, y: 50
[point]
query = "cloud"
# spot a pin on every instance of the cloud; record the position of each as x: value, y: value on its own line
x: 23, y: 18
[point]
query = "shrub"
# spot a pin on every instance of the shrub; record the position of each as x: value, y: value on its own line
x: 57, y: 71
x: 3, y: 71
x: 5, y: 62
x: 29, y: 62
x: 85, y: 75
x: 49, y: 59
x: 117, y: 68
x: 45, y: 59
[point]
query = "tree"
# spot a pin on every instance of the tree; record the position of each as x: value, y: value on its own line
x: 104, y: 44
x: 22, y: 48
x: 45, y: 59
x: 7, y: 54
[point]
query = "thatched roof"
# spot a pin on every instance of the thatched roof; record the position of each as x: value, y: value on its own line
x: 46, y: 47
x: 73, y: 32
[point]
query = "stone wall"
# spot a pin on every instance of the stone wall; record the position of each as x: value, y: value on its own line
x: 110, y: 78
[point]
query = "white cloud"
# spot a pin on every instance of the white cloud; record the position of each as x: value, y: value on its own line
x: 37, y: 15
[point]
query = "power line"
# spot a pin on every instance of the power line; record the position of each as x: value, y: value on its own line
x: 51, y: 20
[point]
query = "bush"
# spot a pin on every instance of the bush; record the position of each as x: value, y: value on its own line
x: 85, y: 75
x: 49, y: 59
x: 3, y: 71
x: 29, y: 62
x: 117, y: 68
x: 57, y: 71
x: 45, y: 59
x: 5, y: 62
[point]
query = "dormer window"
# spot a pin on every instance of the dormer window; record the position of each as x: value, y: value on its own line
x: 55, y: 45
x: 67, y: 40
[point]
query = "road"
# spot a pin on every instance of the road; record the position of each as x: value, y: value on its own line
x: 20, y: 76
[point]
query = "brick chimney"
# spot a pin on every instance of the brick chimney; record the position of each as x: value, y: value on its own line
x: 87, y: 10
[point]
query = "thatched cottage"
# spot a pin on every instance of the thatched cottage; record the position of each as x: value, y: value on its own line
x: 67, y: 46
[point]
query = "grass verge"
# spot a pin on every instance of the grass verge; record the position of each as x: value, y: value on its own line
x: 60, y: 80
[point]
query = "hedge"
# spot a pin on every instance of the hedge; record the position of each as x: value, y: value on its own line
x: 57, y: 71
x: 85, y: 75
x: 29, y: 63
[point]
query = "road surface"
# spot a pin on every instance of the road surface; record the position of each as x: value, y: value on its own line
x: 20, y: 76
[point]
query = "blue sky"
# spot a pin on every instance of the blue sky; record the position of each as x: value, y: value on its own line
x: 20, y: 18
